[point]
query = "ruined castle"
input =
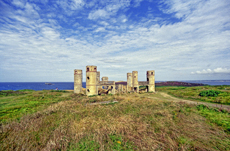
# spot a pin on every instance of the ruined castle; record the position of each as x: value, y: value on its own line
x: 94, y: 86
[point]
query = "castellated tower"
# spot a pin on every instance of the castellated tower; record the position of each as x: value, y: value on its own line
x: 135, y: 81
x: 77, y: 81
x: 151, y: 80
x: 129, y: 82
x: 91, y: 80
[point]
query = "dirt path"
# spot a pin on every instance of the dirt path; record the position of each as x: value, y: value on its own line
x: 174, y: 99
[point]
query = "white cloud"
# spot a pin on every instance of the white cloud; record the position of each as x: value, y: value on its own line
x: 181, y: 8
x: 70, y: 7
x: 214, y: 71
x: 221, y: 70
x: 19, y: 3
x: 108, y: 10
x: 101, y: 13
x: 100, y: 29
x: 124, y: 20
x: 137, y: 3
x: 50, y: 33
x: 104, y: 23
x: 117, y: 43
x: 77, y: 4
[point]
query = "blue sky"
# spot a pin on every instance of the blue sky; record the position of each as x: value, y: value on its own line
x: 180, y: 39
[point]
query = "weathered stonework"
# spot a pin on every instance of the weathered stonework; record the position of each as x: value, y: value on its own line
x: 129, y: 82
x: 77, y: 81
x: 91, y: 80
x: 94, y: 86
x: 135, y: 81
x: 151, y: 80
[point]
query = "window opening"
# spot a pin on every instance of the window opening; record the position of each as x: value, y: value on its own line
x: 88, y: 90
x: 88, y: 78
x: 87, y: 69
x: 152, y: 73
x: 135, y: 89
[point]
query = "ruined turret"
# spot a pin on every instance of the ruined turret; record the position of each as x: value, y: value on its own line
x: 151, y: 80
x: 77, y: 81
x: 135, y: 81
x: 91, y: 80
x: 129, y: 82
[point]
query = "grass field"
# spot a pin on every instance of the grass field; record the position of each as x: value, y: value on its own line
x: 52, y: 120
x: 192, y: 93
x: 15, y: 104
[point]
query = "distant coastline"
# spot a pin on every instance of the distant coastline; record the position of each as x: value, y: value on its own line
x: 179, y: 83
x: 70, y: 85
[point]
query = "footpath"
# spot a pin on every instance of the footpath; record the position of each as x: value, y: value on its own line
x: 174, y: 99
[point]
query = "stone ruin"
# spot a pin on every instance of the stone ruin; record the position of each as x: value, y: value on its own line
x: 95, y: 86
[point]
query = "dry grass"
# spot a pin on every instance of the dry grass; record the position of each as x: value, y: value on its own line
x: 135, y: 123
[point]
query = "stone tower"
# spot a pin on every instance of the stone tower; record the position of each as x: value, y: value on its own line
x: 129, y: 82
x: 135, y: 81
x: 151, y: 80
x: 91, y: 80
x: 77, y: 81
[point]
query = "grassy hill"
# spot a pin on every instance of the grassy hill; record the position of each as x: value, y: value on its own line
x: 61, y: 120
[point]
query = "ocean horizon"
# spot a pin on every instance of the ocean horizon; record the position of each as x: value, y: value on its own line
x: 70, y: 85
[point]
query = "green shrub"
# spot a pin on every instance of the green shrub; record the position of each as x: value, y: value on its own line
x: 209, y: 93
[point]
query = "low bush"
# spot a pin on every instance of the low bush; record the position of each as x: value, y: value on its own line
x: 209, y: 93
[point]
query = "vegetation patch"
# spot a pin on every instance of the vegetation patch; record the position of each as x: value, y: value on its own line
x: 19, y: 103
x: 213, y: 94
x: 137, y: 122
x: 10, y: 93
x: 58, y: 91
x: 209, y: 93
x: 217, y: 116
x: 85, y: 144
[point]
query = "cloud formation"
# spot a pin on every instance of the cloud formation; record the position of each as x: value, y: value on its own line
x: 214, y: 71
x: 47, y: 40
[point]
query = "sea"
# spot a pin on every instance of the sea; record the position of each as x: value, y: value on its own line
x: 70, y: 85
